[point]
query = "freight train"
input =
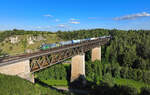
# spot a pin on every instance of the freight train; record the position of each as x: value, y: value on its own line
x: 53, y: 45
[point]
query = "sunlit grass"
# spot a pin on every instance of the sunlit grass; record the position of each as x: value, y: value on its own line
x: 133, y: 83
x: 56, y: 82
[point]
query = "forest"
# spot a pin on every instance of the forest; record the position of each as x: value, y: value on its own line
x: 128, y: 48
x: 125, y: 57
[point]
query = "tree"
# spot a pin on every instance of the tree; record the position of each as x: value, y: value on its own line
x: 1, y: 53
x: 24, y: 44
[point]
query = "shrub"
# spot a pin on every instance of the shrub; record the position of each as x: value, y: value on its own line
x: 115, y: 70
x: 124, y: 72
x: 108, y: 79
x: 145, y: 91
x: 55, y: 72
x: 146, y: 76
x: 125, y: 90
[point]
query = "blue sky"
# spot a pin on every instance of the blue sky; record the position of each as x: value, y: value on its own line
x: 53, y: 15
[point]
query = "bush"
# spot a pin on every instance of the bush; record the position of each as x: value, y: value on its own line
x: 145, y: 91
x: 125, y: 90
x: 124, y: 72
x: 139, y: 75
x: 115, y: 70
x: 107, y: 78
x: 146, y: 76
x: 135, y: 74
x: 55, y: 72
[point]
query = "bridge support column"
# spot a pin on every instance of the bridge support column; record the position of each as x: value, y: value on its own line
x: 77, y: 67
x: 96, y: 54
x: 22, y: 69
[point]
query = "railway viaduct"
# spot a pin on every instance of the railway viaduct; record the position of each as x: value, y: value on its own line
x: 25, y: 65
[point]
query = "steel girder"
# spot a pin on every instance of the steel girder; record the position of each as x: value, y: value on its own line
x: 66, y: 52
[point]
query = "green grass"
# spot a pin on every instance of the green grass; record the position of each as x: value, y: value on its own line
x: 66, y: 64
x: 133, y: 83
x: 56, y: 82
x: 13, y: 85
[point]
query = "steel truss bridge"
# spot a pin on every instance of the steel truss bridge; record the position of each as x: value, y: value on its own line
x: 44, y: 59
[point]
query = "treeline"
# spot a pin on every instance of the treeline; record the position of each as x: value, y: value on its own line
x: 81, y: 34
x: 8, y: 33
x: 128, y: 48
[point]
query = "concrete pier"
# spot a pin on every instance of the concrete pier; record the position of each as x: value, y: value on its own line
x: 96, y: 54
x: 77, y: 67
x: 22, y: 69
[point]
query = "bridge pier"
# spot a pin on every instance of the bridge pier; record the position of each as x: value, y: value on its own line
x: 77, y: 67
x: 21, y: 69
x: 96, y: 53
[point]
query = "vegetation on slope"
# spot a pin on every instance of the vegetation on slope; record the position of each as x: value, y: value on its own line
x: 56, y: 75
x: 22, y: 46
x: 98, y: 72
x: 13, y: 85
x: 128, y: 48
x: 124, y: 69
x: 6, y: 34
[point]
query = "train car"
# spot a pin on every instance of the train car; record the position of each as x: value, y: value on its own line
x: 105, y: 37
x: 65, y: 43
x: 76, y: 41
x: 93, y: 38
x: 87, y: 39
x: 102, y: 37
x: 83, y: 40
x: 108, y: 36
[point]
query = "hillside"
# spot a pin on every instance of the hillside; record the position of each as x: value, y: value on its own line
x: 23, y: 43
x: 13, y: 85
x: 124, y: 68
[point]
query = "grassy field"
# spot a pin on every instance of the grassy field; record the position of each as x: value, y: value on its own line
x: 13, y: 85
x: 18, y: 48
x: 56, y: 82
x: 128, y: 82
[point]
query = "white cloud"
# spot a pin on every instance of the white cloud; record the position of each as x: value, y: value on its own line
x: 38, y: 27
x: 48, y: 15
x: 75, y: 22
x: 42, y: 27
x: 73, y: 19
x: 133, y: 16
x: 62, y: 26
x: 57, y: 20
